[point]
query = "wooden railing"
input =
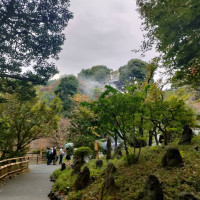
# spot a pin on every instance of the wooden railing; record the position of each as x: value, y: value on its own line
x: 13, y: 165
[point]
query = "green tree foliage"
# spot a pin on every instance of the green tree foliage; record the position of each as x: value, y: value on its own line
x: 135, y: 69
x: 31, y: 33
x: 82, y: 127
x: 173, y: 26
x: 168, y: 113
x: 81, y: 152
x: 99, y: 73
x: 140, y: 110
x: 118, y: 113
x: 67, y: 87
x: 25, y: 121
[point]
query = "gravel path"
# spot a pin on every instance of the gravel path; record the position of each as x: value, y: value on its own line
x: 34, y: 185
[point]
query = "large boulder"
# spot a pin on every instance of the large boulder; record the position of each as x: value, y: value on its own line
x: 172, y: 158
x: 83, y: 179
x: 186, y: 196
x: 186, y: 135
x: 153, y: 190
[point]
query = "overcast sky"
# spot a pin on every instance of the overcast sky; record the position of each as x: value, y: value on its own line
x: 102, y: 32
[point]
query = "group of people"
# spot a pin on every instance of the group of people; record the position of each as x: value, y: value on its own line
x: 52, y: 155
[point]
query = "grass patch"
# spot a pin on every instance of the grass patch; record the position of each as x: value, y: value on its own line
x: 65, y: 180
x: 131, y: 179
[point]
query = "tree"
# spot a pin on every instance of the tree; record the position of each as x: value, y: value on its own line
x: 99, y: 73
x: 135, y: 69
x: 168, y: 113
x: 62, y: 132
x: 118, y: 114
x: 31, y: 33
x: 67, y: 87
x: 173, y: 27
x: 82, y: 130
x: 25, y: 121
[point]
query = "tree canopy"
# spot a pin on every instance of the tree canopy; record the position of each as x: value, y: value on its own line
x: 135, y: 69
x: 67, y: 87
x: 173, y: 27
x: 25, y: 121
x: 99, y: 73
x: 31, y: 33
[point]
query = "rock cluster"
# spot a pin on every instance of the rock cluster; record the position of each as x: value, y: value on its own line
x: 153, y: 190
x: 172, y: 158
x: 109, y: 185
x: 186, y: 135
x: 83, y: 179
x: 99, y: 163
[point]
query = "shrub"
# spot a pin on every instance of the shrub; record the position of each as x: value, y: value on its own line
x: 84, y: 140
x: 81, y: 152
x: 65, y: 180
x: 55, y: 174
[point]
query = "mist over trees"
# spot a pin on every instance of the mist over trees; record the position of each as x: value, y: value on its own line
x: 125, y: 105
x: 92, y: 80
x: 99, y: 73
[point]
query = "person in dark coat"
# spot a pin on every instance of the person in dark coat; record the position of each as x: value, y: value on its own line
x: 49, y: 156
x: 54, y: 156
x: 69, y: 153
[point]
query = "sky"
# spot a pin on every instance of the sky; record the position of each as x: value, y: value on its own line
x: 102, y: 32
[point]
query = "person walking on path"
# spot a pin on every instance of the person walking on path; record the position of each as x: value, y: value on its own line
x: 49, y: 155
x: 54, y: 156
x: 61, y: 154
x: 69, y: 153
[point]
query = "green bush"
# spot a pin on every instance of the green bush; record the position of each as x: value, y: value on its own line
x: 81, y: 152
x: 65, y: 180
x: 56, y: 174
x: 130, y: 159
x: 84, y: 140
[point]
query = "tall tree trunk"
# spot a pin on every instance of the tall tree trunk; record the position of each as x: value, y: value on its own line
x: 115, y: 138
x: 165, y: 138
x: 108, y: 152
x: 141, y: 126
x: 125, y: 145
x: 150, y: 137
x: 116, y: 150
x: 139, y: 153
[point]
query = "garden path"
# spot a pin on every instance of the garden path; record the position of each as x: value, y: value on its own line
x: 34, y: 185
